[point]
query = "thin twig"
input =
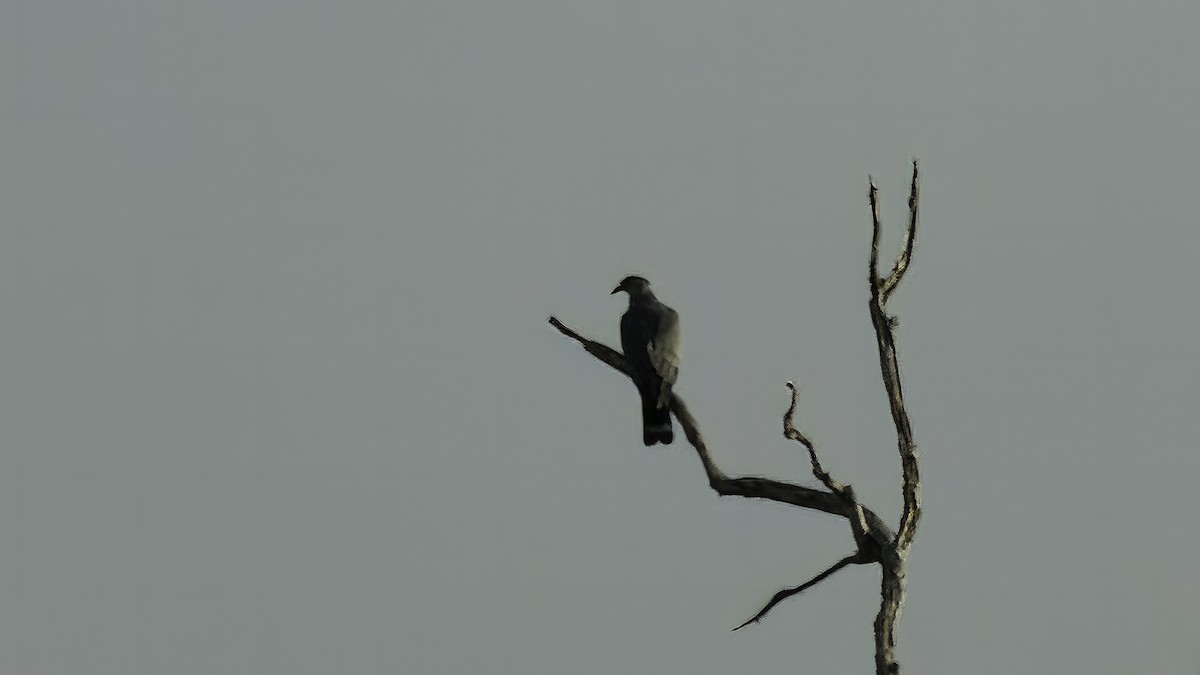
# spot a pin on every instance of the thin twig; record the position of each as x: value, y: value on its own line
x: 789, y: 592
x: 873, y: 259
x: 858, y: 522
x: 791, y: 432
x: 893, y: 280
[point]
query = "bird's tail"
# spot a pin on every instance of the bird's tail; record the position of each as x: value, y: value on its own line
x: 656, y: 421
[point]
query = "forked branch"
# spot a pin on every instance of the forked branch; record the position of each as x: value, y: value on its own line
x: 874, y: 540
x: 881, y: 289
x: 894, y: 582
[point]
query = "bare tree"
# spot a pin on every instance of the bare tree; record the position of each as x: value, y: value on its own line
x: 874, y: 541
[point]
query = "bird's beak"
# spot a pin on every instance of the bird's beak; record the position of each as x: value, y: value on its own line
x: 616, y: 290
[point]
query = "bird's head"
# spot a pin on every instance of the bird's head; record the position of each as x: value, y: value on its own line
x: 633, y: 285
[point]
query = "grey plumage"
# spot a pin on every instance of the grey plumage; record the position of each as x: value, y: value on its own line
x: 650, y: 339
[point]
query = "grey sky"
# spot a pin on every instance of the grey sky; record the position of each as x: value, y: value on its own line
x: 278, y: 395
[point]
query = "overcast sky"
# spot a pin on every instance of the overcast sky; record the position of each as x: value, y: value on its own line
x: 277, y: 394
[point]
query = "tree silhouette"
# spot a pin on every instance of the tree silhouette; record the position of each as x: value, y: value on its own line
x: 874, y: 541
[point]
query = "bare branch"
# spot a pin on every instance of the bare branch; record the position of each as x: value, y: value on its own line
x: 791, y: 432
x: 691, y: 431
x: 890, y: 369
x: 894, y: 557
x: 873, y: 259
x: 857, y: 518
x: 902, y: 260
x: 789, y: 592
x: 891, y: 372
x: 751, y: 487
x: 874, y: 539
x: 599, y: 350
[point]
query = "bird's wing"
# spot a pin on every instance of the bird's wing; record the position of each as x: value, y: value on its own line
x: 665, y: 352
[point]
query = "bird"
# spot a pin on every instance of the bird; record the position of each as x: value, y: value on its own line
x: 650, y: 340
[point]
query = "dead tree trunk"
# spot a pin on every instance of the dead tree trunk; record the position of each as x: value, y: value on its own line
x: 874, y: 541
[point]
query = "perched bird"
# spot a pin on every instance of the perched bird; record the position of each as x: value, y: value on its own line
x: 650, y: 339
